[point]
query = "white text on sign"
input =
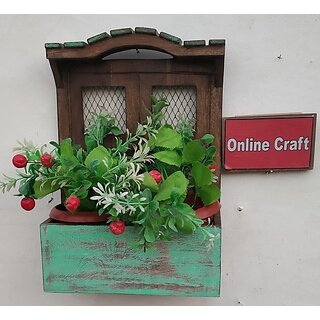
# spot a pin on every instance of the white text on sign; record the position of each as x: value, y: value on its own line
x: 279, y: 144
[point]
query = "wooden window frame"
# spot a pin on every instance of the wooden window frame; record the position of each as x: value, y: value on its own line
x: 200, y: 66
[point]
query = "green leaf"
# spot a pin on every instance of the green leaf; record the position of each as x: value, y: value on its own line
x: 193, y: 151
x: 99, y: 153
x: 80, y: 155
x: 209, y: 194
x: 151, y: 143
x: 147, y: 194
x: 149, y: 182
x: 149, y: 234
x: 67, y: 162
x: 86, y: 184
x: 154, y: 100
x: 185, y: 225
x: 174, y: 196
x: 168, y: 138
x: 207, y: 138
x: 210, y: 152
x: 176, y: 181
x: 153, y: 205
x: 93, y: 165
x: 116, y: 131
x: 55, y: 144
x: 82, y: 194
x: 171, y: 224
x: 90, y: 143
x: 24, y: 188
x: 159, y: 105
x: 186, y: 210
x: 43, y: 188
x: 201, y: 174
x: 169, y: 156
x: 87, y: 205
x: 101, y: 211
x: 67, y: 150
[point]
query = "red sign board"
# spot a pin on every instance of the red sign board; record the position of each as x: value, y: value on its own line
x: 284, y: 142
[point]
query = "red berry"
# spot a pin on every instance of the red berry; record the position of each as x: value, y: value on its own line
x: 213, y: 167
x: 72, y: 203
x: 19, y: 161
x: 156, y: 175
x: 117, y: 227
x: 27, y: 203
x: 46, y: 160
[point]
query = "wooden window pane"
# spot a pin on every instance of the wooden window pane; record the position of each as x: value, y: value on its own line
x: 112, y: 100
x: 182, y: 103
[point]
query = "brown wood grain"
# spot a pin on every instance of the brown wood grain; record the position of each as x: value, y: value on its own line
x: 76, y: 68
x: 216, y: 129
x: 140, y: 41
x: 144, y: 66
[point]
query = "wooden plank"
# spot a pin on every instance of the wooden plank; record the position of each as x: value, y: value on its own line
x: 203, y: 105
x: 215, y: 42
x: 89, y: 259
x: 216, y: 129
x: 52, y: 45
x: 121, y: 32
x: 194, y: 43
x: 98, y: 37
x: 63, y: 110
x: 170, y: 37
x: 146, y: 30
x: 132, y: 87
x: 57, y: 73
x: 74, y: 44
x: 143, y: 66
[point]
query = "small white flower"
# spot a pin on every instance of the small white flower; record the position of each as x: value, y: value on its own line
x: 119, y: 208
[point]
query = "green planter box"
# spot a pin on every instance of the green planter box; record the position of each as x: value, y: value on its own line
x: 89, y: 259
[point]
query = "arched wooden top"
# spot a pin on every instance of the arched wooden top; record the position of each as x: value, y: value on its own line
x: 103, y: 44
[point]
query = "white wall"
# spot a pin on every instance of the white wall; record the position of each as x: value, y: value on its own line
x: 270, y: 250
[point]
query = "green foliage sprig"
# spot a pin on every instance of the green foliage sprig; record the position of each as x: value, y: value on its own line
x: 145, y: 179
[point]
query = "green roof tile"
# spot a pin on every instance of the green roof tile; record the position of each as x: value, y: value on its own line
x: 52, y: 45
x: 146, y: 30
x: 213, y: 42
x: 121, y: 32
x: 194, y: 43
x: 98, y: 37
x: 74, y: 44
x: 170, y: 37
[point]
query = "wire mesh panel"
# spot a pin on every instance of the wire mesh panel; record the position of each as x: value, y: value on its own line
x: 182, y: 103
x: 111, y: 100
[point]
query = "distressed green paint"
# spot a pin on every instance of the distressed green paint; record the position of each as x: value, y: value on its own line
x: 146, y: 30
x: 194, y: 43
x: 89, y: 259
x: 98, y: 37
x: 52, y: 45
x: 170, y: 37
x: 214, y: 42
x: 75, y: 44
x: 120, y: 32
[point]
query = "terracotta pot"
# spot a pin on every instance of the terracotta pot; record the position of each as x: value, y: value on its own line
x: 203, y: 212
x: 59, y: 213
x: 208, y: 211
